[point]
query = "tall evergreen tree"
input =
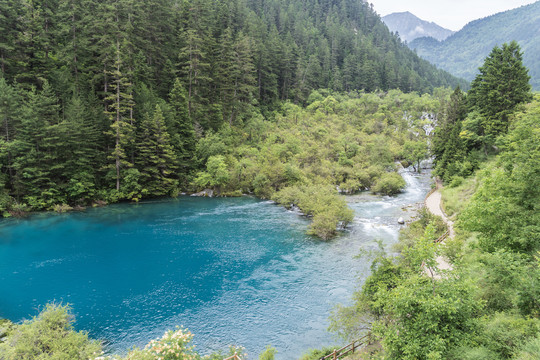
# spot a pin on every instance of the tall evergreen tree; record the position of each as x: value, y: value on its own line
x: 447, y: 146
x: 120, y: 111
x: 156, y: 159
x: 10, y: 27
x: 35, y: 161
x: 10, y: 118
x: 181, y: 130
x: 502, y: 84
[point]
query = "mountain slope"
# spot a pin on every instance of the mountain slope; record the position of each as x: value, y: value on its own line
x: 116, y: 94
x: 411, y: 27
x: 462, y: 53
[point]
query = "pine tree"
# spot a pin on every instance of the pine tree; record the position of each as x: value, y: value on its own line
x: 181, y: 130
x: 81, y: 152
x: 447, y: 146
x: 36, y: 159
x: 237, y: 76
x: 10, y: 118
x: 156, y: 159
x: 10, y: 27
x: 502, y: 84
x: 120, y: 111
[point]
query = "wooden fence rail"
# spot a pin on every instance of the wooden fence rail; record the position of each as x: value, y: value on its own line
x: 336, y: 354
x: 340, y: 353
x: 443, y: 236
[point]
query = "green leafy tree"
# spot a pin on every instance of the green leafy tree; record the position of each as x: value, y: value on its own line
x: 424, y: 325
x: 216, y: 174
x: 415, y: 152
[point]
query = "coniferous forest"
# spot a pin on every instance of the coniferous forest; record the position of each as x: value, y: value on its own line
x: 106, y: 100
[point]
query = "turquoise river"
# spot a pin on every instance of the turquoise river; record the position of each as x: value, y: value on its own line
x: 232, y: 270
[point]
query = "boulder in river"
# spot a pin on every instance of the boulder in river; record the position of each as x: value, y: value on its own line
x: 204, y: 193
x: 401, y: 221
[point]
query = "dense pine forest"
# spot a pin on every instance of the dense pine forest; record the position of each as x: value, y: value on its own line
x: 106, y: 101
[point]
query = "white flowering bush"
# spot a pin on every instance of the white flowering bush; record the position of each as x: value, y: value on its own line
x: 173, y: 345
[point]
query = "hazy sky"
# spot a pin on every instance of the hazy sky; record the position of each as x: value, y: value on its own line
x: 451, y: 14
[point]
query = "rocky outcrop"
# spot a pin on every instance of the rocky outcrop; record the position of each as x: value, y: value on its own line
x: 204, y: 193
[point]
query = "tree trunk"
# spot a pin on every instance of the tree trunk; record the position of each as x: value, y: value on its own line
x: 117, y: 117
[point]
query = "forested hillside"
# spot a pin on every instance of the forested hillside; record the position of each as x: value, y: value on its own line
x: 462, y: 53
x: 106, y: 100
x: 410, y: 27
x: 486, y: 306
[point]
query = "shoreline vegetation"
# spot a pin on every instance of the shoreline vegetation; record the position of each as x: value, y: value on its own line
x: 134, y: 99
x: 349, y: 142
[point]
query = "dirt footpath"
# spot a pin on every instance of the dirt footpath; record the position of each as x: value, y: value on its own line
x: 433, y: 204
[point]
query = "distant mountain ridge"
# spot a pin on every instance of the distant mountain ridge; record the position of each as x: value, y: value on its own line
x: 464, y: 52
x: 411, y: 27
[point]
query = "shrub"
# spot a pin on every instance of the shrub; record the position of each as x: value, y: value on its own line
x: 62, y: 208
x: 328, y: 209
x: 389, y: 184
x: 50, y: 335
x: 316, y: 354
x: 173, y: 345
x: 268, y: 354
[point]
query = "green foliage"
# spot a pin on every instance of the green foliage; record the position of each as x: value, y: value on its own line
x: 415, y: 152
x: 268, y: 354
x: 502, y: 84
x: 80, y: 82
x: 157, y: 161
x: 502, y: 274
x: 503, y: 333
x: 316, y: 354
x: 464, y: 139
x: 530, y: 350
x: 50, y: 335
x: 389, y: 184
x: 328, y: 209
x: 427, y: 324
x: 215, y: 176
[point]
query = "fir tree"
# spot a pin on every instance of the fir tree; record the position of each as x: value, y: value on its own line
x: 181, y: 130
x: 120, y: 111
x: 502, y: 84
x: 156, y: 159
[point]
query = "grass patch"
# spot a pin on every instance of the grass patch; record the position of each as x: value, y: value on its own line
x: 455, y: 199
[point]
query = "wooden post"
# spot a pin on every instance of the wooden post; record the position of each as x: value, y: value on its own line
x: 335, y: 354
x: 353, y: 346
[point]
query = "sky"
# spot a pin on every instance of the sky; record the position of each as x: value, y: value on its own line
x: 451, y: 14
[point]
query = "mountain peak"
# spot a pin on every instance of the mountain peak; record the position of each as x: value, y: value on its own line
x: 462, y: 53
x: 410, y: 27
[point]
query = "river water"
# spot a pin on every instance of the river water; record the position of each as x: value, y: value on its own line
x: 233, y: 271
